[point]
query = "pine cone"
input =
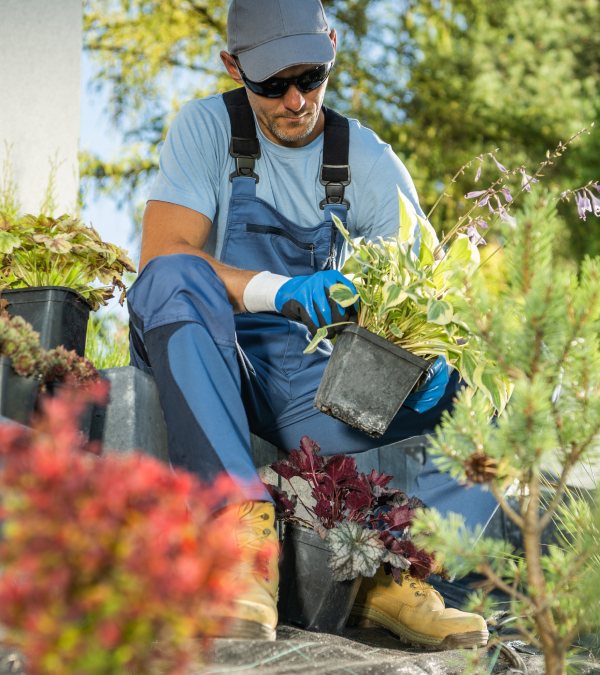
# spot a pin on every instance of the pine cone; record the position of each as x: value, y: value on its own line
x: 481, y: 468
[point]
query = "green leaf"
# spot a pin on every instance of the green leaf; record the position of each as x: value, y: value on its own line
x: 462, y: 255
x: 8, y: 242
x: 340, y: 226
x: 408, y: 218
x: 393, y: 295
x: 439, y: 312
x: 468, y: 366
x: 342, y: 295
x: 320, y: 335
x: 429, y: 241
x: 355, y: 551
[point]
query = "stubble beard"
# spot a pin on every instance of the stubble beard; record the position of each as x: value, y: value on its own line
x: 304, y: 129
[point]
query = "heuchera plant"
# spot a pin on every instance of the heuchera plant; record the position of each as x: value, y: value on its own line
x: 112, y: 564
x: 365, y: 522
x: 46, y: 251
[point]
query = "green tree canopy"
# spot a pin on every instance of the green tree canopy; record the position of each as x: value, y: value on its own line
x: 441, y: 80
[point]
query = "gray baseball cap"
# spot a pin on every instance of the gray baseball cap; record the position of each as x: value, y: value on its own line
x: 268, y: 36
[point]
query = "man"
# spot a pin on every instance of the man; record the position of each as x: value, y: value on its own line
x: 238, y: 253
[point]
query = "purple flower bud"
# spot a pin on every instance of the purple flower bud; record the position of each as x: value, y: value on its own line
x: 480, y: 222
x: 478, y: 174
x: 484, y: 201
x: 595, y: 203
x: 476, y: 193
x: 507, y: 195
x: 503, y: 169
x: 527, y: 180
x: 583, y: 203
x: 474, y: 236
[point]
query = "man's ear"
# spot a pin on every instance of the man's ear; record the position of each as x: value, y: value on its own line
x: 333, y: 38
x: 231, y: 66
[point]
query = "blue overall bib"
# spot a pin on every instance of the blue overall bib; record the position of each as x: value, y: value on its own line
x: 222, y: 375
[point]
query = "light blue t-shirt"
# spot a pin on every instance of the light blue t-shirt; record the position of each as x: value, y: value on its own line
x: 195, y: 166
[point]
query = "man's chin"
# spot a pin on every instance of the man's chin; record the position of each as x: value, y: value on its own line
x: 293, y: 130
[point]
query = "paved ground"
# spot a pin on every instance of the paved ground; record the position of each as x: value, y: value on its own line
x: 357, y: 652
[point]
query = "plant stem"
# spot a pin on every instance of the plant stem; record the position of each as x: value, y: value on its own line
x: 550, y: 639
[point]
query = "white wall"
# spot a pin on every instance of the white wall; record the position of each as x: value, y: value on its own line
x: 40, y: 55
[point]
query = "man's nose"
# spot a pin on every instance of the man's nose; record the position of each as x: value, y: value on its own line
x: 293, y: 99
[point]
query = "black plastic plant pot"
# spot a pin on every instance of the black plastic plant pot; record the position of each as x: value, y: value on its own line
x: 309, y: 596
x: 17, y: 394
x: 58, y: 314
x: 367, y: 380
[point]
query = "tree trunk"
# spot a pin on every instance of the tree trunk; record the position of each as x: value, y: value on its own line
x: 552, y: 645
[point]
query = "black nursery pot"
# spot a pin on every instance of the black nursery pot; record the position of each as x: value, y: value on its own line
x: 58, y: 314
x: 367, y: 380
x: 17, y: 394
x: 308, y: 594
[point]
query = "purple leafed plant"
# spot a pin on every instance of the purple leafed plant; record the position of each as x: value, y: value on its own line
x: 365, y: 522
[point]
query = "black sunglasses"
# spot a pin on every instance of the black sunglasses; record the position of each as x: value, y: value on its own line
x: 275, y: 87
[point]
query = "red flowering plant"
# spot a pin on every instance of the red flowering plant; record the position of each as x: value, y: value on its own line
x: 365, y: 522
x: 108, y: 564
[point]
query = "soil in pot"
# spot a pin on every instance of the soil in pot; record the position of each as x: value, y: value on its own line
x: 58, y: 314
x: 17, y: 394
x: 308, y: 594
x: 367, y: 380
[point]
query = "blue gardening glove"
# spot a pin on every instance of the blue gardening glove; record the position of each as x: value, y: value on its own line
x: 431, y: 389
x: 306, y: 299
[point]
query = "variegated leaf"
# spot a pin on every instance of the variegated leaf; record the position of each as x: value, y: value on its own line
x: 355, y: 551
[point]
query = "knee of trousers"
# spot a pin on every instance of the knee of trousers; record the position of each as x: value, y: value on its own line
x: 181, y: 287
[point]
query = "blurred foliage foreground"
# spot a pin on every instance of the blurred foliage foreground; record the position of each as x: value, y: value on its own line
x: 441, y: 80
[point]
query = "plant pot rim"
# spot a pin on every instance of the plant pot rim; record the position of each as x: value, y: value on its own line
x: 307, y: 535
x: 381, y: 342
x: 31, y: 289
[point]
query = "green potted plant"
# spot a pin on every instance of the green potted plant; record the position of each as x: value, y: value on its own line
x: 413, y: 294
x: 340, y: 525
x: 48, y: 270
x: 411, y: 298
x: 20, y: 358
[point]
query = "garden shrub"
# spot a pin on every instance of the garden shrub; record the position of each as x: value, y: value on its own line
x: 112, y: 564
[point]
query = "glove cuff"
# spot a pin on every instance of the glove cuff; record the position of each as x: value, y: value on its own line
x: 259, y: 294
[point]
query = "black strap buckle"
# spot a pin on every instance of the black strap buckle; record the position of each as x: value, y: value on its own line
x: 244, y: 163
x: 335, y: 178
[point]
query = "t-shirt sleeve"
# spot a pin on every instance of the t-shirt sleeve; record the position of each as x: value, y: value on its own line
x: 188, y: 164
x: 378, y: 212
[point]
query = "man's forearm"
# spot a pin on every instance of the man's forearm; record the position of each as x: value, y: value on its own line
x: 234, y: 279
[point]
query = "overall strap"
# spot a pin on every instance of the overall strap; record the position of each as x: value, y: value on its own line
x: 244, y: 146
x: 335, y: 172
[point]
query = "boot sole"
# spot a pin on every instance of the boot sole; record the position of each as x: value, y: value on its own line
x: 242, y: 629
x: 371, y: 618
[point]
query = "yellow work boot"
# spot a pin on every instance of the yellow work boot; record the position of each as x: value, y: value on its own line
x: 415, y: 612
x: 254, y: 612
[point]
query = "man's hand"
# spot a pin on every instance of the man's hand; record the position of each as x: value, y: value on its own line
x: 306, y: 299
x: 431, y: 389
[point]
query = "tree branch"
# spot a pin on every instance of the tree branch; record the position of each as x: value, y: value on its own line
x: 506, y: 507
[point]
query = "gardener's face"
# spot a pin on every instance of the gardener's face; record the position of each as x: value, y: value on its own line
x: 293, y: 119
